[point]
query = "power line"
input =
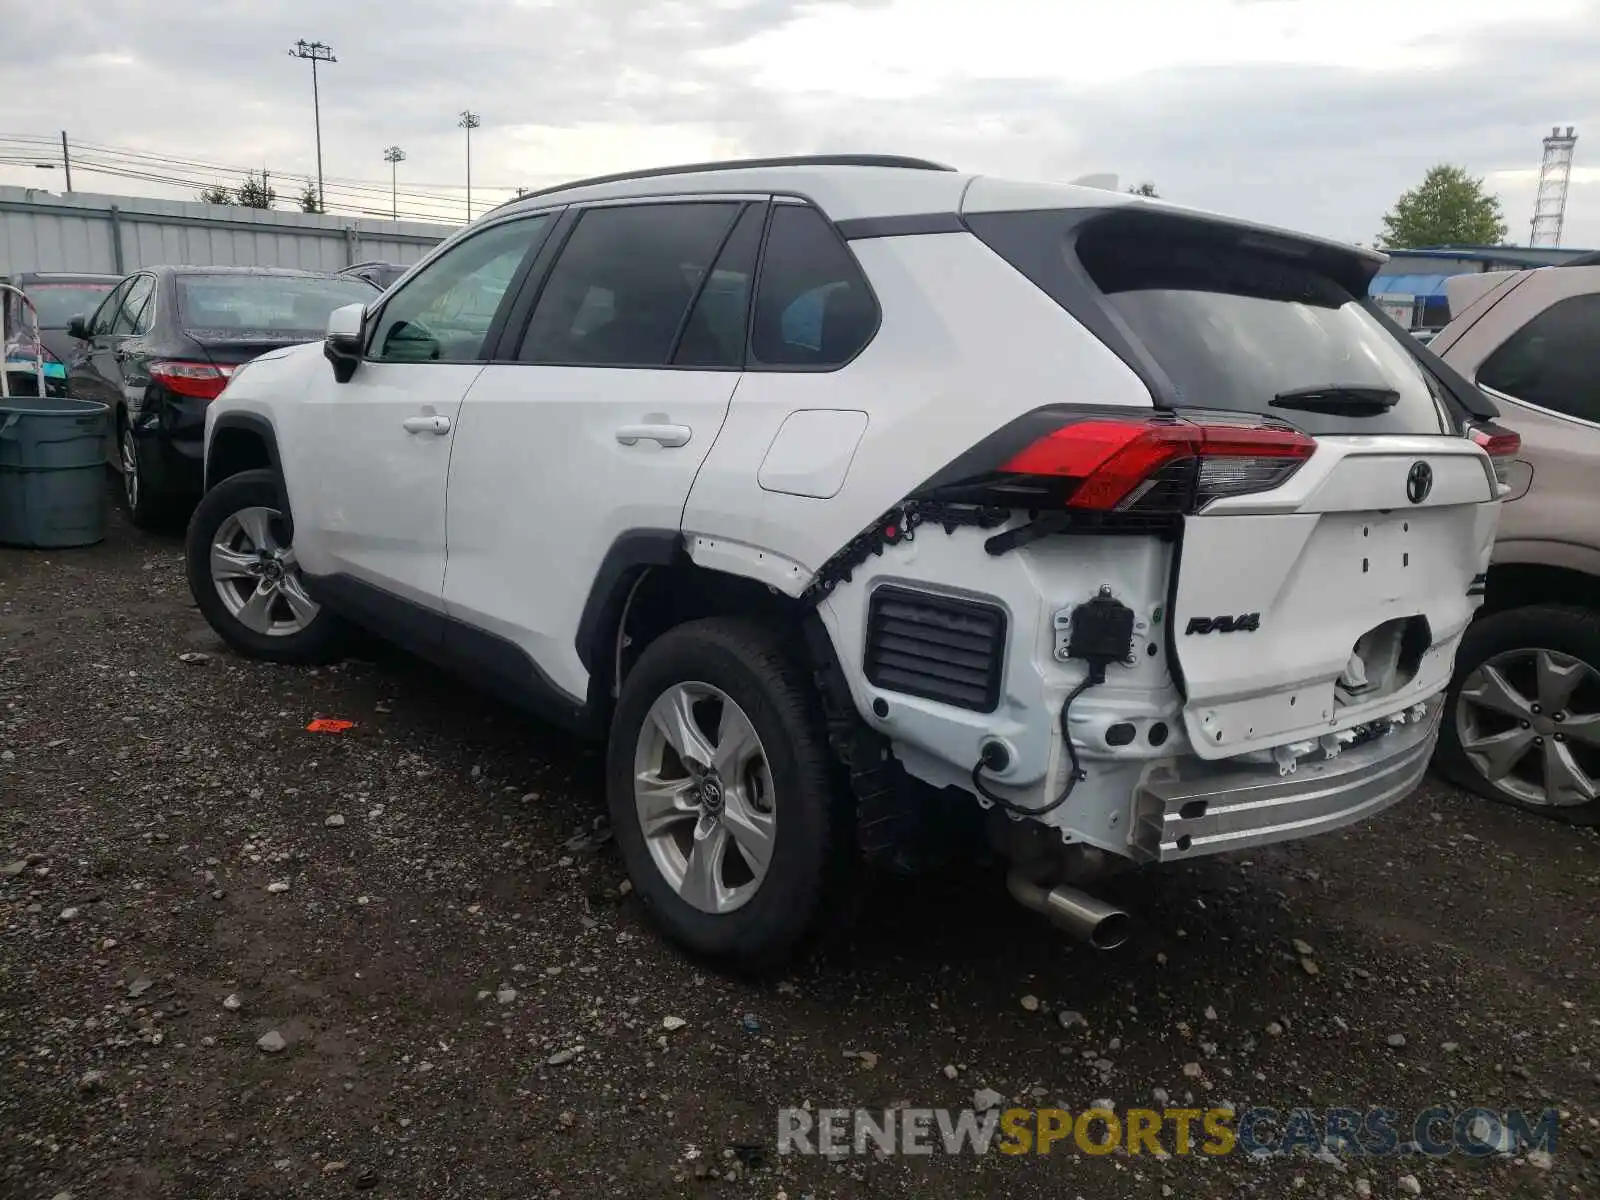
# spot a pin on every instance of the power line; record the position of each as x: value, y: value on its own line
x: 149, y: 168
x: 350, y: 182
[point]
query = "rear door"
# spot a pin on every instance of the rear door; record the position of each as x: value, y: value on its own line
x: 594, y: 419
x: 1342, y: 594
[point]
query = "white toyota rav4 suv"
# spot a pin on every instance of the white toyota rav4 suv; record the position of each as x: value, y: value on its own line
x: 870, y: 507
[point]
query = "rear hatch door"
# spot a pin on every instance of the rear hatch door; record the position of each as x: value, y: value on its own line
x: 1339, y: 596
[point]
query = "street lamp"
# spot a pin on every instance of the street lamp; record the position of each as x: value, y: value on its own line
x: 469, y: 121
x: 315, y: 52
x: 394, y: 156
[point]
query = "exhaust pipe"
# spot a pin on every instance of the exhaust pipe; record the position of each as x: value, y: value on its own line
x: 1080, y: 915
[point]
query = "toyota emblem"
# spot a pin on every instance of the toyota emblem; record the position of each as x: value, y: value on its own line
x: 1419, y: 482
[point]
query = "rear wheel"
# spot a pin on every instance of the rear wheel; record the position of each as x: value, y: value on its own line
x: 246, y: 580
x: 1522, y: 717
x: 146, y: 507
x: 722, y: 794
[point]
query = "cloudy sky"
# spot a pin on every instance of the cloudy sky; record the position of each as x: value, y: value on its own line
x: 1313, y: 114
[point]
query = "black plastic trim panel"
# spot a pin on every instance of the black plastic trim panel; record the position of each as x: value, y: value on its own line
x: 855, y: 229
x: 485, y: 660
x: 942, y: 648
x: 632, y: 552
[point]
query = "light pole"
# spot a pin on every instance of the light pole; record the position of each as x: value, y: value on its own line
x: 469, y: 121
x: 394, y: 156
x: 316, y: 52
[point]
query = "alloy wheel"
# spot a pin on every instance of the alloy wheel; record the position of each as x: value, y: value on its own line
x: 1529, y: 723
x: 705, y: 798
x: 130, y: 467
x: 257, y: 575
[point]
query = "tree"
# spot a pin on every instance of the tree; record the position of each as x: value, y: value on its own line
x: 216, y: 194
x: 256, y: 192
x: 1449, y: 208
x: 309, y: 201
x: 1145, y: 189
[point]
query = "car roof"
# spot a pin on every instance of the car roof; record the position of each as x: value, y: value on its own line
x: 281, y: 272
x: 863, y: 186
x: 23, y: 278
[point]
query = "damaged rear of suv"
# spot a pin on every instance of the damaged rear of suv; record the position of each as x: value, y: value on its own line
x: 1207, y: 618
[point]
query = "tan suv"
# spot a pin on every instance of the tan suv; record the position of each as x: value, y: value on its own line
x: 1523, y: 716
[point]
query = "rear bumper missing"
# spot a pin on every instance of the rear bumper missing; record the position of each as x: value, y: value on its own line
x: 1234, y: 807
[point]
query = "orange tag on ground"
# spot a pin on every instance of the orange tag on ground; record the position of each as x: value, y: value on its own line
x: 329, y: 725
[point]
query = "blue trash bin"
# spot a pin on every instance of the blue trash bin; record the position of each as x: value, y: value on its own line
x: 52, y: 471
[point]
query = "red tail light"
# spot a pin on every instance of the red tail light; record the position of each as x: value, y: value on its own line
x: 1161, y: 464
x: 1502, y: 445
x: 203, y: 381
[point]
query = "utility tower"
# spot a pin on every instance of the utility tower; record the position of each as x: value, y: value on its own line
x: 1555, y: 173
x: 314, y: 53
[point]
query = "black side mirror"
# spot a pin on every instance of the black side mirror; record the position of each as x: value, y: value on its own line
x: 341, y: 345
x: 78, y: 327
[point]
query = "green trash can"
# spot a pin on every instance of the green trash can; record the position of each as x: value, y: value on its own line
x: 52, y: 471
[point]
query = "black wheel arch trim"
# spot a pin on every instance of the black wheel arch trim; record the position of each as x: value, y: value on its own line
x: 632, y: 552
x: 260, y: 427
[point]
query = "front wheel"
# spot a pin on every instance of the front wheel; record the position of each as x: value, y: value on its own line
x: 723, y: 794
x: 1522, y: 716
x: 246, y: 580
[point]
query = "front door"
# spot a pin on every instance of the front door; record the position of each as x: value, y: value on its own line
x: 371, y: 455
x: 619, y: 385
x: 84, y: 378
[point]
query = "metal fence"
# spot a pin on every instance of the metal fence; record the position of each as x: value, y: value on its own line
x: 41, y: 231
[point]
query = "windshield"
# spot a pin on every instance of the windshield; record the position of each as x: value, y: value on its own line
x: 58, y: 303
x: 282, y: 304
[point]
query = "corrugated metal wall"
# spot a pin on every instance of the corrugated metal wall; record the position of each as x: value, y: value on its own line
x: 40, y: 231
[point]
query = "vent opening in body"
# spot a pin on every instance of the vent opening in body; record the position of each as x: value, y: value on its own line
x: 936, y: 647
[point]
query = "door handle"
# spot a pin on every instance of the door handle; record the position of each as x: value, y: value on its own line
x: 433, y: 424
x: 666, y: 435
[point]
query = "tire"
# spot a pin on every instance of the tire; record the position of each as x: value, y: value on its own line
x: 146, y: 507
x: 806, y: 882
x: 1511, y: 643
x: 282, y: 625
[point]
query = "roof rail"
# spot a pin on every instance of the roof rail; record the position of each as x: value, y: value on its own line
x: 744, y: 164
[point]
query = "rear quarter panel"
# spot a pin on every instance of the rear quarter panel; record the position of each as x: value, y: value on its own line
x: 966, y: 344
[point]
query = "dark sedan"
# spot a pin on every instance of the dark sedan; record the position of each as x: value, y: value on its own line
x: 161, y: 347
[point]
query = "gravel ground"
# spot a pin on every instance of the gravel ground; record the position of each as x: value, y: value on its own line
x: 420, y: 913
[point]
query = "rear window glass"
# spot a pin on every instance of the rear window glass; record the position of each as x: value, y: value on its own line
x: 1234, y: 330
x: 266, y: 303
x: 58, y: 303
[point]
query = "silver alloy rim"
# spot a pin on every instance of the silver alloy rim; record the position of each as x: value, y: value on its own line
x: 258, y: 577
x: 702, y: 785
x: 130, y: 468
x: 1529, y: 722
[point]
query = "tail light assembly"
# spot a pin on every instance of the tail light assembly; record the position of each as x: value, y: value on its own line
x: 1502, y: 445
x: 197, y: 380
x: 1149, y: 466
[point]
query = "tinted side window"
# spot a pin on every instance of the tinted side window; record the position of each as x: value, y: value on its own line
x: 623, y: 284
x: 1553, y: 361
x: 103, y: 316
x: 127, y: 319
x: 443, y: 314
x: 714, y: 334
x: 813, y: 306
